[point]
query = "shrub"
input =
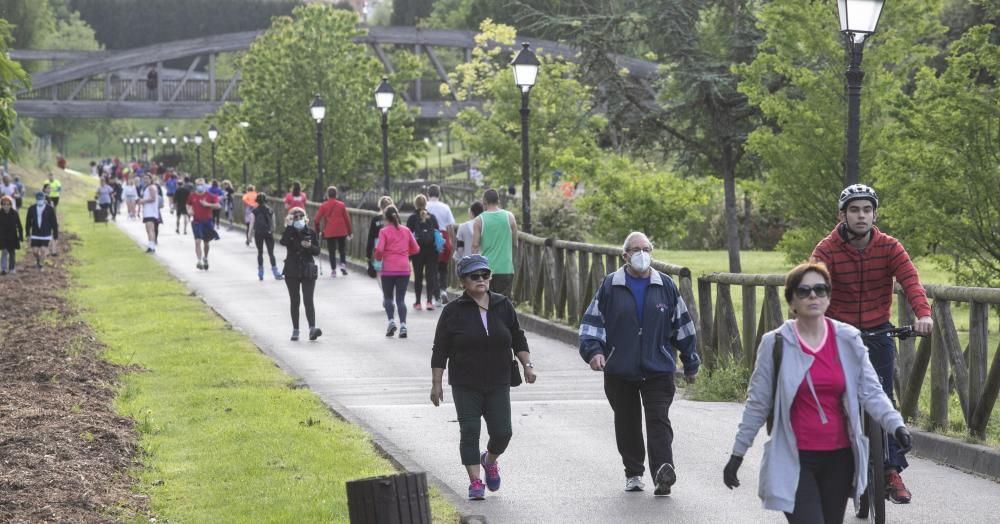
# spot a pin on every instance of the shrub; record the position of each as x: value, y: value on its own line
x: 727, y: 382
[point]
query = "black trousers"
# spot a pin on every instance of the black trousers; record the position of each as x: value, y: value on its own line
x: 332, y: 245
x: 425, y: 268
x: 308, y: 286
x: 825, y: 479
x: 503, y: 284
x: 261, y: 240
x: 629, y: 399
x: 442, y: 276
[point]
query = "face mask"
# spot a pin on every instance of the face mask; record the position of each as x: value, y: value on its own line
x: 640, y: 261
x: 299, y: 224
x: 40, y: 203
x: 201, y: 188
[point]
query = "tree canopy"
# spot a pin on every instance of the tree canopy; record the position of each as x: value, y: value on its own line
x: 12, y: 78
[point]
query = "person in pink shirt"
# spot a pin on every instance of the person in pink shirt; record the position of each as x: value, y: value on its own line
x: 296, y: 198
x: 394, y: 247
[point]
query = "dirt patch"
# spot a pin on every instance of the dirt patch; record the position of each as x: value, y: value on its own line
x: 64, y: 453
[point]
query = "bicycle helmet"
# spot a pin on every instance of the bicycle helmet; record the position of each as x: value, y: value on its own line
x: 855, y: 192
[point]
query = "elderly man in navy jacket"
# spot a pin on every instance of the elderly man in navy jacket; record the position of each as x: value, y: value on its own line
x: 41, y: 227
x: 630, y: 331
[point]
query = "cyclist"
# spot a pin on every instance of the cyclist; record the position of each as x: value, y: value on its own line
x: 863, y: 262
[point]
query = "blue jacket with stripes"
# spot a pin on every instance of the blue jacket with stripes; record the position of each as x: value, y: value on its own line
x: 611, y: 327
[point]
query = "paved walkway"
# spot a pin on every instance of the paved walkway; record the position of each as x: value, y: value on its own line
x: 562, y: 465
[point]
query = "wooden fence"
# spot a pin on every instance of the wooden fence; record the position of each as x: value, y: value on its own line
x: 952, y: 367
x: 556, y: 279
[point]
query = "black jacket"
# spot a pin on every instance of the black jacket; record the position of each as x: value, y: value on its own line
x: 475, y: 359
x: 298, y: 257
x: 373, y: 228
x: 50, y: 225
x: 11, y: 232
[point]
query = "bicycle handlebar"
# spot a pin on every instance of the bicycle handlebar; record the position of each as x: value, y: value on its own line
x: 901, y: 332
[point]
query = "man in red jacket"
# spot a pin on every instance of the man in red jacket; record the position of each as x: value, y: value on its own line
x: 863, y: 262
x: 334, y: 224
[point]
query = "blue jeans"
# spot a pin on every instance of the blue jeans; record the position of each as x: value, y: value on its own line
x: 882, y: 354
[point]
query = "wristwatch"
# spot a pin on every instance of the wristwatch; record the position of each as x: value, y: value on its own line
x: 529, y: 365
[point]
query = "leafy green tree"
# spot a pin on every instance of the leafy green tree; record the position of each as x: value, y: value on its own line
x: 30, y: 22
x: 563, y: 128
x: 307, y: 53
x: 12, y: 78
x: 409, y: 12
x: 942, y: 168
x: 797, y: 81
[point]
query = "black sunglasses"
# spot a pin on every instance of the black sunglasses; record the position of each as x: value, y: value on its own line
x: 821, y: 290
x: 481, y: 275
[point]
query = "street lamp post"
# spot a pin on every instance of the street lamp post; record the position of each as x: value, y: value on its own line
x: 145, y: 148
x: 244, y: 125
x: 525, y: 66
x: 173, y: 144
x: 131, y: 143
x: 318, y: 112
x: 125, y: 147
x: 213, y: 134
x: 427, y: 145
x: 384, y: 96
x: 197, y: 150
x: 440, y: 168
x: 858, y: 19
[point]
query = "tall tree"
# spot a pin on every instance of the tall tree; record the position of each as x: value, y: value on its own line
x: 797, y: 80
x: 12, y: 78
x: 301, y: 55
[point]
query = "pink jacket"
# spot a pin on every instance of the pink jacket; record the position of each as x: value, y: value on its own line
x: 395, y: 245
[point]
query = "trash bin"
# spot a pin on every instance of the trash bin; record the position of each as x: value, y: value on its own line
x: 100, y: 215
x: 393, y: 499
x: 91, y: 205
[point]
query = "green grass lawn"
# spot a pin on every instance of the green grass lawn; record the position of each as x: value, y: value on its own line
x: 225, y: 435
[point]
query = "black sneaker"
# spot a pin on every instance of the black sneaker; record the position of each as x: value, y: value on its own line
x: 664, y: 478
x: 315, y: 333
x: 402, y: 331
x: 295, y: 335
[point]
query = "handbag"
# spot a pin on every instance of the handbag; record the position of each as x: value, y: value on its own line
x: 515, y: 374
x: 776, y: 360
x: 310, y: 271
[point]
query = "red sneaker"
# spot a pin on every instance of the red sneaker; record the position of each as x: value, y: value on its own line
x: 895, y: 490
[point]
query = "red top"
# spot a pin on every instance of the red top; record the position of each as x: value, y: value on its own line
x: 295, y: 201
x: 862, y: 280
x: 332, y: 219
x: 202, y: 213
x: 828, y: 381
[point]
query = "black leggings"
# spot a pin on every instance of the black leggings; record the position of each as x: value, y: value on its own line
x: 425, y: 268
x: 395, y: 287
x: 262, y: 239
x: 825, y: 479
x: 332, y: 245
x: 308, y: 285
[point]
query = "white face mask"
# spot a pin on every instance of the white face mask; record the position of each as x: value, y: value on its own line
x: 640, y: 261
x: 299, y: 224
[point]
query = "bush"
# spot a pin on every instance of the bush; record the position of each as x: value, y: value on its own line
x: 727, y: 382
x: 554, y: 215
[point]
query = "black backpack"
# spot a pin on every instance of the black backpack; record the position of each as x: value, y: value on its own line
x: 423, y: 231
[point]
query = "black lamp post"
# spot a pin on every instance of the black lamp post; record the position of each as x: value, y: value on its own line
x: 384, y: 96
x: 244, y: 125
x: 125, y: 148
x: 525, y: 66
x: 858, y: 19
x: 197, y: 150
x: 173, y: 144
x: 131, y: 144
x: 427, y: 144
x: 318, y: 112
x: 145, y: 148
x: 439, y: 145
x: 213, y: 134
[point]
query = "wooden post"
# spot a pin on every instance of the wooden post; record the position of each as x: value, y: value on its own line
x: 907, y: 351
x: 706, y: 340
x: 984, y: 408
x: 911, y: 395
x: 949, y: 336
x: 395, y: 499
x: 979, y: 321
x: 725, y: 321
x: 939, y: 376
x: 749, y: 324
x: 770, y: 315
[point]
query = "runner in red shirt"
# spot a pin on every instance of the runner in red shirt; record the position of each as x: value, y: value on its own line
x: 200, y: 205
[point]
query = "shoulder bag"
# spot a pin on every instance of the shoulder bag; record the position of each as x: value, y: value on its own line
x: 779, y: 343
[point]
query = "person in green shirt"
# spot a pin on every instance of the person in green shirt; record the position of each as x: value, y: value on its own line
x: 494, y: 235
x: 55, y: 188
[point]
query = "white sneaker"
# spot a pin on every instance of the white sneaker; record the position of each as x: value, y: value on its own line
x: 634, y: 484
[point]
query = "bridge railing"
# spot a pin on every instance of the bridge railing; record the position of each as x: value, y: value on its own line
x: 964, y: 370
x: 115, y: 88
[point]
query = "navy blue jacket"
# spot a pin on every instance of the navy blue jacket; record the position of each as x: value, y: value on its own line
x: 611, y: 327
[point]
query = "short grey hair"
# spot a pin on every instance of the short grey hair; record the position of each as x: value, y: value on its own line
x: 632, y: 236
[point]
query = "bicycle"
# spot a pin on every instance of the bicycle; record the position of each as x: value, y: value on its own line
x: 872, y: 504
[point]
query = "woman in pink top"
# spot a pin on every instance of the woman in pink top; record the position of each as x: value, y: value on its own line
x: 817, y: 454
x: 296, y: 198
x: 394, y: 247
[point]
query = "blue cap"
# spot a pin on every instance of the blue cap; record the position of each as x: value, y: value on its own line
x: 472, y: 263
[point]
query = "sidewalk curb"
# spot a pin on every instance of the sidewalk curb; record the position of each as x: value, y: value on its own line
x: 946, y: 451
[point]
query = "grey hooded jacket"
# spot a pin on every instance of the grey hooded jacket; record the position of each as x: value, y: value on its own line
x: 779, y: 470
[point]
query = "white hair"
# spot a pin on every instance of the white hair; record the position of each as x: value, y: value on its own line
x: 632, y: 236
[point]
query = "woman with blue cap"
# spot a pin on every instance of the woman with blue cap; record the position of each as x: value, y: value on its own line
x: 474, y: 338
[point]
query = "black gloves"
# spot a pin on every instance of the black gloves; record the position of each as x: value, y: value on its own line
x: 903, y: 439
x: 729, y: 473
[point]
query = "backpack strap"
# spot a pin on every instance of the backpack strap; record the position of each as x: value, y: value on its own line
x: 779, y: 343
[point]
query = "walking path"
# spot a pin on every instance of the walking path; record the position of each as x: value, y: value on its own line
x: 562, y: 464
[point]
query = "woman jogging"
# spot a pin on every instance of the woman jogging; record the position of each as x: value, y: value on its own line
x: 394, y: 246
x: 227, y: 202
x: 817, y: 455
x: 474, y: 338
x: 424, y: 226
x: 262, y: 223
x: 151, y: 212
x: 11, y: 234
x: 131, y: 195
x: 300, y: 269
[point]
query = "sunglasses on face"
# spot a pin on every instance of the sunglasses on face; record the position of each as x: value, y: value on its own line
x: 482, y: 275
x: 821, y: 291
